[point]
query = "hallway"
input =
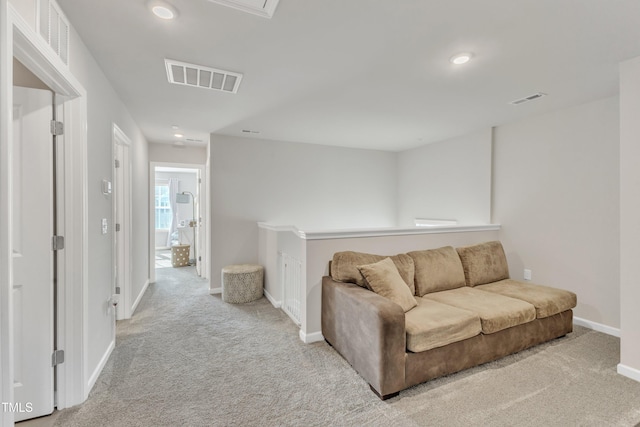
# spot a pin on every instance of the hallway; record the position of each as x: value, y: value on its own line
x: 187, y: 358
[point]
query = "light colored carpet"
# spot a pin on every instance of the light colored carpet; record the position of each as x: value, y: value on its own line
x: 187, y: 358
x: 163, y: 258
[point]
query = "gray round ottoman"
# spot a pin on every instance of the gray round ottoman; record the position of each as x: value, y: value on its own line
x: 242, y: 283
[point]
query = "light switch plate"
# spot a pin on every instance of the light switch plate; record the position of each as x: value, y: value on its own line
x: 105, y: 226
x: 106, y: 187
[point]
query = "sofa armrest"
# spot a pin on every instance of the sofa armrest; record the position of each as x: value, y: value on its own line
x: 368, y: 330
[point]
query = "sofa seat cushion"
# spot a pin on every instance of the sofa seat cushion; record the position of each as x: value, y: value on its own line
x: 344, y: 267
x: 432, y: 324
x: 547, y: 301
x: 437, y: 270
x: 496, y: 312
x: 484, y: 263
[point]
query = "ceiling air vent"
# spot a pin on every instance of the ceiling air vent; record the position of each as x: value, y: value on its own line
x: 528, y: 98
x: 182, y: 73
x: 264, y: 8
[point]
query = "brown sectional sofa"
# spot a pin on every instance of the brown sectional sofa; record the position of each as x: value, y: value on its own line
x: 453, y: 309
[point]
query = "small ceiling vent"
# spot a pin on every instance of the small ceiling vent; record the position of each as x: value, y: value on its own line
x: 182, y: 73
x: 528, y: 98
x: 264, y: 8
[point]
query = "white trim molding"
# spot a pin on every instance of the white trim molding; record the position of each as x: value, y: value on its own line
x: 629, y: 372
x: 596, y: 326
x: 311, y: 338
x: 139, y: 297
x: 214, y: 291
x: 103, y: 361
x: 272, y: 300
x: 6, y: 305
x: 377, y: 232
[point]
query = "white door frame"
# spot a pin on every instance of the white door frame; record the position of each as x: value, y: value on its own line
x: 204, y: 212
x: 18, y: 39
x: 122, y: 240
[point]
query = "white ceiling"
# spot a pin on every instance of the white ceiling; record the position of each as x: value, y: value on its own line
x: 359, y: 73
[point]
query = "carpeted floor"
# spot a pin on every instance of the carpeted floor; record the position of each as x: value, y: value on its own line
x: 188, y: 359
x: 163, y: 258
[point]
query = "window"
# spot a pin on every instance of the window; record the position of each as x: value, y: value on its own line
x: 163, y: 208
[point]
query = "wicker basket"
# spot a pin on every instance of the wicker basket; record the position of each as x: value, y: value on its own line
x: 180, y: 255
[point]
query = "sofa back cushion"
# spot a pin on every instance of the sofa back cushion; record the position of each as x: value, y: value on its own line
x: 484, y: 263
x: 384, y: 279
x: 437, y: 270
x: 344, y: 267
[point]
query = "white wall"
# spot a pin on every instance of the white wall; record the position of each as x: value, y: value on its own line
x: 555, y: 193
x: 169, y: 154
x: 629, y: 218
x: 446, y: 180
x: 310, y: 186
x: 104, y: 108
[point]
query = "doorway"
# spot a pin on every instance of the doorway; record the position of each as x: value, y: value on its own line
x: 20, y: 43
x: 178, y: 218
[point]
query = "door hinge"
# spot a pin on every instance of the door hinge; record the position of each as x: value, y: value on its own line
x: 57, y: 357
x: 116, y: 162
x: 57, y: 243
x: 118, y: 290
x: 117, y: 227
x: 57, y: 128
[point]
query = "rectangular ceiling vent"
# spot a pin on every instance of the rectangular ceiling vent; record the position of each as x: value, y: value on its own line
x: 183, y: 73
x: 264, y: 8
x: 528, y: 98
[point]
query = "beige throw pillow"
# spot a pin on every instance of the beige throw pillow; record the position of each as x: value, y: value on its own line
x: 385, y: 280
x: 344, y: 267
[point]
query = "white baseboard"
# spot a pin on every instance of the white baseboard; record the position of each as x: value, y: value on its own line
x: 629, y: 372
x: 214, y: 291
x: 312, y: 337
x: 139, y: 297
x: 103, y: 361
x: 272, y: 300
x: 596, y: 326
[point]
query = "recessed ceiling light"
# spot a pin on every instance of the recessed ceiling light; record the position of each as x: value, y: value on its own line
x: 461, y: 58
x: 178, y: 135
x: 163, y: 10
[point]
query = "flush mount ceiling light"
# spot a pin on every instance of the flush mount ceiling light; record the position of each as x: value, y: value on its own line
x: 163, y: 10
x: 461, y: 58
x: 178, y: 135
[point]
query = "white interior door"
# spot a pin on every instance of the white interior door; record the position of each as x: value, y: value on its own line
x: 32, y: 255
x: 122, y: 220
